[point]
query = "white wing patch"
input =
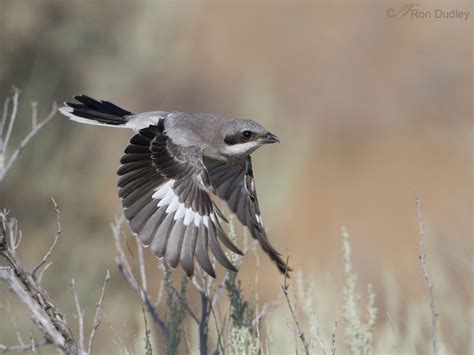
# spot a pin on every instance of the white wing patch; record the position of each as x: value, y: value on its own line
x: 163, y: 190
x: 167, y: 197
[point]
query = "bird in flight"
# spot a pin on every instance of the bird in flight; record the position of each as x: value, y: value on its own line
x: 169, y: 172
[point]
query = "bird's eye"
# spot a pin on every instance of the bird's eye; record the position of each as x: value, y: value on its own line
x: 246, y: 134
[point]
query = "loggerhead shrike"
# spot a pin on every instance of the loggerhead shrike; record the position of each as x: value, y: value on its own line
x: 172, y: 166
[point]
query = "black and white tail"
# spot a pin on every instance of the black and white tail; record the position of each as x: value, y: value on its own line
x: 91, y: 111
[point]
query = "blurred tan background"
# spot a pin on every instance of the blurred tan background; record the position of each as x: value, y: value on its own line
x: 367, y: 109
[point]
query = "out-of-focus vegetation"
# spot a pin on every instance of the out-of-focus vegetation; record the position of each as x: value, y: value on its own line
x: 366, y: 108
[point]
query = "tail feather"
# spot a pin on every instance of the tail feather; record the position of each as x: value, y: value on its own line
x: 91, y: 111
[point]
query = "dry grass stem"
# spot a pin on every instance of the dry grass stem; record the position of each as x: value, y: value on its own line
x: 426, y: 276
x: 79, y: 315
x: 297, y: 329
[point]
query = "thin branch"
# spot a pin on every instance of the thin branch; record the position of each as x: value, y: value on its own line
x: 298, y: 332
x: 25, y: 347
x: 37, y: 313
x: 43, y: 270
x: 141, y: 263
x: 219, y: 332
x: 33, y: 344
x: 44, y: 313
x: 98, y: 313
x: 80, y: 316
x: 154, y: 315
x: 15, y: 95
x: 25, y: 141
x: 34, y: 114
x: 126, y: 270
x: 55, y: 242
x: 13, y: 322
x: 266, y: 310
x: 118, y: 339
x: 160, y: 293
x: 426, y: 276
x: 9, y: 229
x: 6, y: 103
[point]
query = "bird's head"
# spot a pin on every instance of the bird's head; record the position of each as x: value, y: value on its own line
x: 242, y: 137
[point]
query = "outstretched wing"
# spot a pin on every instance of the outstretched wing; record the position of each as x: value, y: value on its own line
x: 165, y: 194
x: 235, y: 184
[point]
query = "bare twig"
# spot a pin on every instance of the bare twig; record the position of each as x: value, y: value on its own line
x: 34, y: 114
x: 10, y: 231
x: 7, y: 163
x: 154, y: 314
x: 118, y: 339
x: 126, y: 270
x: 219, y: 332
x: 26, y: 140
x: 25, y: 347
x: 80, y: 316
x: 55, y: 242
x: 141, y: 264
x: 38, y: 314
x: 43, y: 270
x: 33, y: 344
x: 266, y: 310
x: 43, y: 311
x: 13, y: 322
x: 121, y: 259
x: 298, y: 332
x: 160, y: 293
x: 6, y: 103
x: 98, y: 313
x: 15, y: 95
x: 426, y: 276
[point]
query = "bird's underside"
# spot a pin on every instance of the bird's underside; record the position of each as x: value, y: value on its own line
x: 166, y: 191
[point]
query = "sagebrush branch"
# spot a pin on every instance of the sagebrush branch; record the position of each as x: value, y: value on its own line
x: 43, y: 312
x: 50, y: 320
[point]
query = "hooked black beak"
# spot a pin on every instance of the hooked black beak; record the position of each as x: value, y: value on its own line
x: 270, y: 138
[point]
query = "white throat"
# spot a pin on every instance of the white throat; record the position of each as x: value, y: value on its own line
x: 240, y: 149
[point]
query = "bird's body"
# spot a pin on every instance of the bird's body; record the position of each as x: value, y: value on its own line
x: 171, y: 169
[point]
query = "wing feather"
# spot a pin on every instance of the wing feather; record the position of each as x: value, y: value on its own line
x: 235, y: 184
x: 165, y: 194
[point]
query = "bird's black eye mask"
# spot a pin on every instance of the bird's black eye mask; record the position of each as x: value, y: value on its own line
x: 240, y: 137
